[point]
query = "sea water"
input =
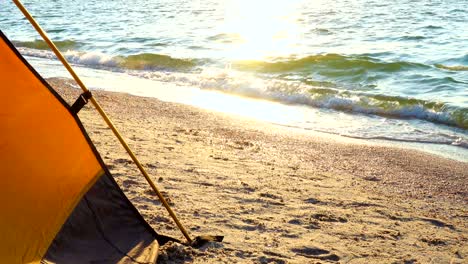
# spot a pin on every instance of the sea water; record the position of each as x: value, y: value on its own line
x: 387, y: 70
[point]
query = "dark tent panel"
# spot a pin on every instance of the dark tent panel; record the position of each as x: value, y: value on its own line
x: 103, y: 228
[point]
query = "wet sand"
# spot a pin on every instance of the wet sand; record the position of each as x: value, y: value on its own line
x: 280, y: 195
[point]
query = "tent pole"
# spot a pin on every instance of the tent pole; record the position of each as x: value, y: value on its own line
x: 103, y: 115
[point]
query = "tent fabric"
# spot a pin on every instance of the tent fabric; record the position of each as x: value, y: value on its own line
x: 58, y: 202
x: 103, y: 229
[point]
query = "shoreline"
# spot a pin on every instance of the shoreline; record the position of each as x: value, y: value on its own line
x: 280, y: 196
x: 446, y: 151
x: 261, y: 110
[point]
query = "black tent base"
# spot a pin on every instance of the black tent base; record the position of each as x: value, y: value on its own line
x: 105, y: 228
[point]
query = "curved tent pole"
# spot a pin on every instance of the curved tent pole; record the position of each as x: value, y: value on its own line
x: 103, y: 115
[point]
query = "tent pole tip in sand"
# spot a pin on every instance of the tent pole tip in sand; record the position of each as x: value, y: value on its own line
x: 107, y: 120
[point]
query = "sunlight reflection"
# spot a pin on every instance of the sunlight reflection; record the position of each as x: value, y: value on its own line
x: 207, y: 99
x: 264, y: 28
x: 253, y: 108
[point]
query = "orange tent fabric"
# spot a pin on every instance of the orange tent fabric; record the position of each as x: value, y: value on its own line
x: 46, y: 162
x: 47, y: 166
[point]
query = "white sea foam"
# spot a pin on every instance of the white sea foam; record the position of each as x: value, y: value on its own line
x: 298, y: 93
x: 95, y: 59
x: 92, y: 59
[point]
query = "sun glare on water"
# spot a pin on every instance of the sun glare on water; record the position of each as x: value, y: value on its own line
x: 263, y: 29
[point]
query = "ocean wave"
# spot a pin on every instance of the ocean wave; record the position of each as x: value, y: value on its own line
x: 412, y: 38
x: 154, y: 61
x: 321, y: 31
x: 144, y: 61
x: 42, y: 45
x: 335, y: 62
x: 452, y: 67
x: 433, y: 27
x: 290, y: 92
x: 319, y: 94
x: 331, y: 65
x: 226, y: 38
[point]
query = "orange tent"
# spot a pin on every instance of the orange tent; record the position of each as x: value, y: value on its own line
x: 59, y: 202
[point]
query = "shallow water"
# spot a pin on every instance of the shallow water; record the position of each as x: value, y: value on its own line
x: 366, y: 69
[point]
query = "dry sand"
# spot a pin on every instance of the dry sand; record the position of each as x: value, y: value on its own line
x: 279, y: 195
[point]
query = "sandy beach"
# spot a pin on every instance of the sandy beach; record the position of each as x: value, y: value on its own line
x: 280, y: 195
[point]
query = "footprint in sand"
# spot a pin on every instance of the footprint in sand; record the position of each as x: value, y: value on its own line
x: 315, y: 252
x: 270, y: 260
x: 122, y: 161
x: 327, y: 217
x: 311, y: 224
